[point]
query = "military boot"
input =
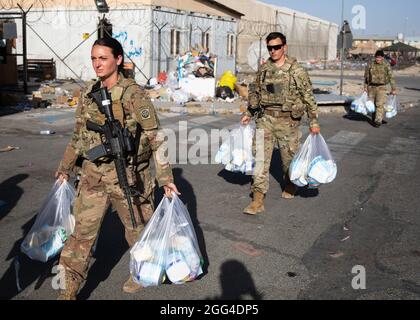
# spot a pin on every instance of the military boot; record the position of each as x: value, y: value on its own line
x: 289, y: 191
x: 71, y: 289
x: 130, y: 286
x: 257, y: 204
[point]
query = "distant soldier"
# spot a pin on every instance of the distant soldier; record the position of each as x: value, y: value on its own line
x: 377, y: 77
x: 278, y: 99
x: 98, y: 187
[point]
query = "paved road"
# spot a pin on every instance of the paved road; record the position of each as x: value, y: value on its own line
x: 300, y: 249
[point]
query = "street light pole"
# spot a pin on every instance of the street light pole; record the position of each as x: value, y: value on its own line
x: 342, y: 48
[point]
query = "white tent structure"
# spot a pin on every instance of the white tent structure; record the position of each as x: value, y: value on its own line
x: 309, y: 38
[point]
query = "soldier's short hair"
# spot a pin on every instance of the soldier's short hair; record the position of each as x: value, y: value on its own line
x: 380, y: 53
x: 276, y: 35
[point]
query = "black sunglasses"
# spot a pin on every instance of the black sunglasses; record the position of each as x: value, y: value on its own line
x: 277, y: 47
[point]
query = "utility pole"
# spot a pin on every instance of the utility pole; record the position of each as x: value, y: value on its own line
x: 25, y: 48
x: 345, y: 41
x: 342, y: 48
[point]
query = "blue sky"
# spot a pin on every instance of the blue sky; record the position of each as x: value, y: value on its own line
x: 383, y: 17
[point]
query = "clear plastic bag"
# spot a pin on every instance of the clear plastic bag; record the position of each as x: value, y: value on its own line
x: 184, y: 261
x: 391, y: 107
x: 359, y: 104
x: 53, y: 225
x: 236, y: 152
x: 370, y: 106
x: 167, y: 247
x: 313, y: 165
x: 363, y: 105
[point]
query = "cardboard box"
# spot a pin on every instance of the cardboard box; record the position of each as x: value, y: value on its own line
x: 62, y: 99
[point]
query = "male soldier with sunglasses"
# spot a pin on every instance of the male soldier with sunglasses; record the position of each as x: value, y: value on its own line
x: 278, y: 99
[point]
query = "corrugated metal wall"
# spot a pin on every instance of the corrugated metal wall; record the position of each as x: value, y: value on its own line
x: 192, y: 26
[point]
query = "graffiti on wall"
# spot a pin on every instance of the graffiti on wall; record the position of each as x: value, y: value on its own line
x: 129, y: 45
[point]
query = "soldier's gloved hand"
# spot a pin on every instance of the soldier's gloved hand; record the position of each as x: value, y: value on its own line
x: 245, y: 120
x: 169, y: 188
x: 61, y: 176
x: 394, y: 92
x: 315, y: 130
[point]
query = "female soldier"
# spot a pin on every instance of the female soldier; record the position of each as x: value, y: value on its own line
x: 98, y: 186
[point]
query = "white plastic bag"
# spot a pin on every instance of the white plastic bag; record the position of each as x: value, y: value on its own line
x: 147, y: 257
x: 236, y: 152
x: 180, y: 97
x: 391, y: 107
x: 313, y: 165
x: 53, y: 225
x: 370, y: 106
x: 167, y: 247
x: 359, y: 104
x: 184, y: 261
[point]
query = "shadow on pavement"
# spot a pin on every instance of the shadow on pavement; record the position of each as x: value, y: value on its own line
x: 110, y: 248
x: 276, y: 168
x: 10, y: 193
x: 414, y: 89
x: 235, y: 178
x: 354, y: 116
x: 307, y: 192
x: 236, y: 282
x: 29, y: 270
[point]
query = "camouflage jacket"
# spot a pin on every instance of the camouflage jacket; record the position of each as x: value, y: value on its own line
x: 379, y: 74
x: 288, y: 88
x: 130, y: 105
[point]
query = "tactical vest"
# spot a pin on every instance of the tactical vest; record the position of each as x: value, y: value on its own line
x: 278, y: 89
x: 121, y: 110
x: 378, y: 74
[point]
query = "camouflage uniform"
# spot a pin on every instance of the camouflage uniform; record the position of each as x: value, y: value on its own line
x: 280, y: 96
x: 98, y: 186
x: 377, y: 77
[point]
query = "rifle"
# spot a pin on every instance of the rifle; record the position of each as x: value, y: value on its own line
x: 117, y: 146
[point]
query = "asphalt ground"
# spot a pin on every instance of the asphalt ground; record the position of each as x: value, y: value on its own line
x: 304, y: 248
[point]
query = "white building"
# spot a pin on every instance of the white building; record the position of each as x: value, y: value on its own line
x: 234, y: 30
x: 135, y: 24
x: 413, y: 41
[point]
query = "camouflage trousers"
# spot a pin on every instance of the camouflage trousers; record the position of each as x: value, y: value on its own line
x: 98, y: 188
x: 282, y: 131
x: 379, y: 96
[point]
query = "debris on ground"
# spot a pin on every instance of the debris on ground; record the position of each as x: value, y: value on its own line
x: 9, y: 148
x: 337, y: 255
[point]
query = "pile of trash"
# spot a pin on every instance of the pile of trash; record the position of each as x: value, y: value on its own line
x: 363, y: 105
x: 236, y: 151
x: 226, y: 87
x: 192, y: 78
x: 167, y: 248
x: 313, y: 165
x: 53, y: 225
x: 51, y: 93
